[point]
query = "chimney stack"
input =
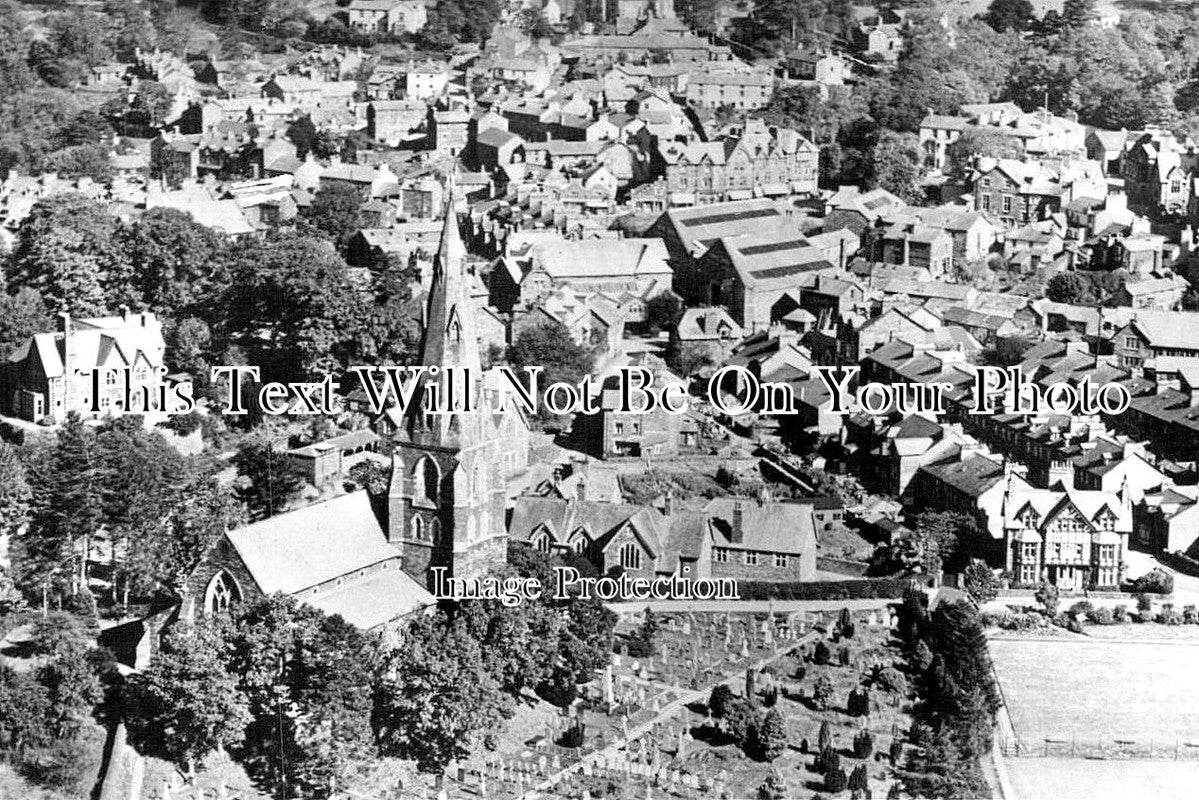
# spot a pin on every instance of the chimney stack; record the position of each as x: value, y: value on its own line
x: 581, y: 490
x: 738, y: 532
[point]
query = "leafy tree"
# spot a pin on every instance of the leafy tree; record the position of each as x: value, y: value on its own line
x: 863, y: 745
x: 822, y: 654
x: 663, y: 311
x: 772, y: 736
x: 980, y: 582
x: 334, y: 212
x: 1073, y: 288
x: 1014, y: 15
x: 186, y: 704
x: 437, y: 699
x: 15, y: 73
x: 302, y: 133
x: 896, y: 166
x: 270, y: 478
x: 718, y: 701
x: 774, y: 788
x: 922, y: 657
x: 550, y: 345
x: 822, y: 693
x: 935, y: 543
x: 307, y: 678
x: 974, y: 141
x: 296, y: 287
x: 741, y: 721
x: 24, y: 711
x: 177, y: 262
x: 80, y: 161
x: 69, y: 249
x: 1047, y: 597
x: 700, y: 15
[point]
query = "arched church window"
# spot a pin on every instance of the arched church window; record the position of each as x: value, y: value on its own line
x: 543, y: 542
x: 630, y: 556
x: 222, y: 593
x: 418, y: 529
x: 428, y: 479
x: 435, y: 532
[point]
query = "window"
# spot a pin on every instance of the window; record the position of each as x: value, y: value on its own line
x: 1028, y: 573
x: 986, y: 183
x: 780, y: 560
x: 427, y: 479
x: 1028, y: 551
x: 222, y: 593
x: 720, y: 555
x: 630, y: 556
x: 618, y: 427
x: 543, y: 542
x: 418, y: 529
x: 751, y: 558
x: 1130, y: 341
x: 1007, y: 204
x: 986, y: 202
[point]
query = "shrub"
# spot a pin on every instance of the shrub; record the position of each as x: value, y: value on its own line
x: 827, y: 759
x: 858, y: 780
x: 823, y: 654
x: 980, y: 582
x: 773, y: 788
x: 843, y: 656
x: 772, y: 736
x: 718, y: 701
x: 1047, y: 598
x: 859, y: 589
x: 741, y: 721
x: 1189, y: 615
x: 858, y: 704
x: 890, y: 679
x: 845, y: 624
x: 1101, y: 616
x: 1156, y: 581
x: 922, y: 656
x: 1120, y: 614
x: 825, y: 738
x: 822, y: 693
x: 1169, y: 616
x: 863, y: 745
x: 1144, y: 602
x: 835, y: 780
x: 1082, y: 608
x: 896, y: 751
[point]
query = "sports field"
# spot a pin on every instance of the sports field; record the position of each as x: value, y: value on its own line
x: 1101, y: 691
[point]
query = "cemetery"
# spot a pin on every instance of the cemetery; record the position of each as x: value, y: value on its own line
x: 829, y: 702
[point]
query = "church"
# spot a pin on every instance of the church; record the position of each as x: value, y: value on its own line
x: 445, y: 505
x: 450, y: 472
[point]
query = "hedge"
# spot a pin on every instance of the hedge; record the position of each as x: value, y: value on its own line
x: 864, y: 589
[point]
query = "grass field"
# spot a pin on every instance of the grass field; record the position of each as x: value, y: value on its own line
x: 1099, y: 691
x: 1074, y: 779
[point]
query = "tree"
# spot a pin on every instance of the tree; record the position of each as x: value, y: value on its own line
x: 822, y: 693
x: 979, y: 141
x: 66, y: 512
x: 270, y: 478
x: 774, y: 788
x: 308, y: 680
x: 718, y: 701
x: 1073, y: 288
x: 24, y: 711
x: 69, y: 250
x: 896, y: 166
x: 1047, y: 597
x: 177, y: 261
x: 302, y: 133
x: 21, y: 315
x: 922, y: 657
x: 334, y: 213
x: 437, y: 699
x: 835, y: 781
x: 934, y: 544
x: 186, y: 704
x: 1013, y: 15
x: 663, y: 311
x: 980, y: 582
x: 863, y: 745
x: 80, y: 161
x: 772, y: 736
x: 741, y: 721
x: 550, y: 345
x: 858, y: 779
x: 296, y: 287
x: 824, y: 738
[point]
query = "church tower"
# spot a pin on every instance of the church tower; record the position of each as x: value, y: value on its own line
x: 446, y: 501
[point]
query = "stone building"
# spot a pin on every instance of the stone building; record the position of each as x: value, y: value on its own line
x: 450, y: 470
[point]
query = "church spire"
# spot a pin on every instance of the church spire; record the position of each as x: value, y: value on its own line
x: 450, y: 341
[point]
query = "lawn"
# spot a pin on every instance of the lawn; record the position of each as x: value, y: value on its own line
x: 1075, y: 779
x: 1099, y: 691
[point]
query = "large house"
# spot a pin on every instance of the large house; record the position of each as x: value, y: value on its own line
x: 755, y: 160
x: 728, y: 538
x: 52, y: 374
x: 387, y: 16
